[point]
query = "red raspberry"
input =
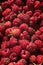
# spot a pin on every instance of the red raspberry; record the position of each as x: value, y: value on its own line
x: 7, y: 24
x: 12, y: 63
x: 1, y: 63
x: 5, y: 38
x: 13, y: 56
x: 5, y: 52
x: 37, y: 33
x: 25, y: 8
x: 15, y: 8
x: 13, y: 41
x: 29, y: 13
x: 20, y: 9
x: 17, y: 21
x: 32, y: 58
x: 41, y: 50
x: 25, y: 54
x: 31, y: 47
x: 5, y: 61
x: 40, y: 59
x: 38, y: 43
x: 31, y: 30
x: 24, y: 27
x: 21, y: 62
x: 6, y: 12
x: 41, y: 37
x: 19, y: 2
x: 41, y: 29
x: 10, y: 2
x: 41, y: 4
x: 17, y: 49
x: 23, y: 43
x: 37, y: 4
x: 41, y: 16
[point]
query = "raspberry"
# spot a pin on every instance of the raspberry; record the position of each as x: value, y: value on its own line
x: 13, y: 41
x: 40, y: 59
x: 6, y: 12
x: 5, y: 52
x: 13, y: 57
x: 17, y: 49
x: 37, y: 33
x: 23, y: 43
x: 25, y: 54
x: 10, y: 2
x: 12, y: 63
x: 5, y: 60
x: 21, y: 62
x: 17, y: 21
x: 31, y: 47
x: 7, y: 24
x: 5, y: 38
x: 24, y: 27
x: 41, y: 16
x: 25, y: 8
x: 41, y: 29
x: 41, y: 37
x: 38, y: 43
x: 29, y: 13
x: 32, y: 58
x: 15, y: 8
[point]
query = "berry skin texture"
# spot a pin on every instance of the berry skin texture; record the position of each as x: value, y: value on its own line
x: 32, y: 58
x: 23, y: 43
x: 25, y: 54
x: 40, y: 59
x: 6, y: 12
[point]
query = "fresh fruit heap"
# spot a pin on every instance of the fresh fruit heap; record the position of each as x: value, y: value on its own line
x: 21, y: 32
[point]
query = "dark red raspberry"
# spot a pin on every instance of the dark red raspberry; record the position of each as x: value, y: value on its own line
x: 5, y: 38
x: 39, y: 43
x: 24, y: 27
x: 17, y: 49
x: 31, y: 47
x: 5, y: 60
x: 41, y: 24
x: 1, y: 35
x: 25, y: 54
x: 41, y: 16
x: 17, y: 21
x: 41, y: 50
x: 33, y: 58
x: 15, y: 8
x: 10, y: 2
x: 1, y: 63
x: 13, y: 56
x: 23, y: 43
x: 5, y: 52
x: 6, y: 12
x: 21, y: 62
x: 40, y: 59
x: 41, y: 29
x: 0, y: 52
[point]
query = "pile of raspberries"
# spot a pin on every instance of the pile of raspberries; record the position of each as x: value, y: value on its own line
x: 21, y: 32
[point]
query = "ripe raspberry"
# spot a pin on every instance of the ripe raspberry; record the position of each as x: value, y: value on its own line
x: 17, y: 49
x: 25, y: 54
x: 13, y: 56
x: 7, y: 24
x: 5, y: 38
x: 17, y: 21
x: 38, y: 43
x: 13, y: 41
x: 41, y: 29
x: 37, y: 33
x: 15, y: 8
x: 29, y: 13
x: 41, y: 37
x: 24, y: 27
x: 5, y: 61
x: 25, y: 8
x: 10, y: 2
x: 1, y: 63
x: 31, y: 47
x: 5, y: 52
x: 40, y: 59
x: 32, y: 58
x: 23, y: 43
x: 21, y: 62
x: 6, y: 12
x: 12, y: 63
